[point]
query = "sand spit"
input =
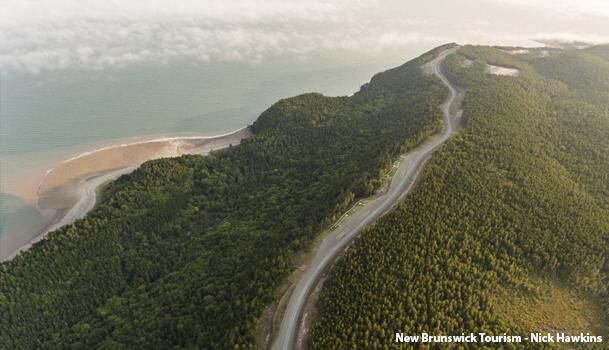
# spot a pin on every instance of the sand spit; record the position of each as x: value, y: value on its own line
x: 505, y: 71
x: 68, y: 192
x: 69, y: 173
x: 124, y: 155
x: 83, y: 193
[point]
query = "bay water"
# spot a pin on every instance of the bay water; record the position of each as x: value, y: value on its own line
x: 51, y: 116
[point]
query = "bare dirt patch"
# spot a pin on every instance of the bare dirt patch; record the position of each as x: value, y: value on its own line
x: 503, y: 71
x: 467, y: 63
x: 516, y: 51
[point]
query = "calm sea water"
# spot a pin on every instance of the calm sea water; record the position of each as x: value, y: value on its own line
x: 48, y: 117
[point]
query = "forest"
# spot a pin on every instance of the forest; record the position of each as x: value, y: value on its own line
x: 186, y: 252
x: 508, y: 230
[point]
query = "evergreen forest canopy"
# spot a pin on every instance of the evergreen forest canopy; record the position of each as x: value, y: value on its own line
x: 508, y: 231
x: 186, y: 252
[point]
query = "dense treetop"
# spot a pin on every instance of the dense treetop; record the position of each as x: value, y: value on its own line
x: 186, y: 252
x: 515, y: 208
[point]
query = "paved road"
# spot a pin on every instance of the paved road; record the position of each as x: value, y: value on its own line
x: 337, y: 241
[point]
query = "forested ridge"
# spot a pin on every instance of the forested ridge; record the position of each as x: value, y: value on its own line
x: 186, y: 252
x: 510, y: 218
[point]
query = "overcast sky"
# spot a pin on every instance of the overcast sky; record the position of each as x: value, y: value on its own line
x: 40, y: 35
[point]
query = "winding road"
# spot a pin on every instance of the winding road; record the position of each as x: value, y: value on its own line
x: 401, y: 183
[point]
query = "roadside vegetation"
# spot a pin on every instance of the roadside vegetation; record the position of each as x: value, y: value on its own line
x: 187, y: 252
x: 508, y: 231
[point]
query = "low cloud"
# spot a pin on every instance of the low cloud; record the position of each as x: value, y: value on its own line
x: 566, y: 7
x: 95, y: 44
x: 97, y: 34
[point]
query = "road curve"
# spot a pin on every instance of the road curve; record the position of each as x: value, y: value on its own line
x: 337, y: 241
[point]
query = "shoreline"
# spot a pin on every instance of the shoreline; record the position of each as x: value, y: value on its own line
x: 58, y: 180
x: 160, y: 139
x: 64, y: 217
x: 68, y: 190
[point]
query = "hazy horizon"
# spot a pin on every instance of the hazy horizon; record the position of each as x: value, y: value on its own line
x: 321, y: 174
x: 37, y: 36
x: 78, y: 75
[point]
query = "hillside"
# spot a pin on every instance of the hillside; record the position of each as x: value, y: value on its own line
x: 186, y: 252
x: 508, y: 231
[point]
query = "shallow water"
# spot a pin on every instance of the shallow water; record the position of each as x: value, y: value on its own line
x: 49, y: 117
x: 20, y: 219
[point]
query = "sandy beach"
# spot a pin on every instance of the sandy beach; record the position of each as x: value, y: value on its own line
x: 68, y: 191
